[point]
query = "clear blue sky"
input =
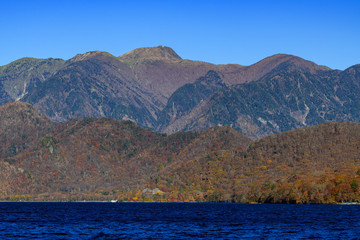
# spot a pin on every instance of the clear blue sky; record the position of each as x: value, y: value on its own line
x: 223, y: 31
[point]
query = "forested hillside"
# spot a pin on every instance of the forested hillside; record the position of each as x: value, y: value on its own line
x: 102, y: 159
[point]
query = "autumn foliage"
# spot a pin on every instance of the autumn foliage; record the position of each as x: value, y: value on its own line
x: 99, y: 159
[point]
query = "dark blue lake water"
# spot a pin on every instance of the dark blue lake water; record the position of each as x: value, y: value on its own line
x: 177, y: 221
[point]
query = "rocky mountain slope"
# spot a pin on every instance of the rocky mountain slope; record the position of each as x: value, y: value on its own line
x: 4, y: 96
x: 95, y: 84
x: 157, y: 89
x: 289, y: 97
x: 185, y: 98
x: 20, y: 77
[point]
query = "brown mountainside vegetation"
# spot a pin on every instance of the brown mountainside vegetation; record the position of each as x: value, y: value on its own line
x: 85, y: 155
x: 103, y: 159
x: 318, y: 164
x: 20, y: 125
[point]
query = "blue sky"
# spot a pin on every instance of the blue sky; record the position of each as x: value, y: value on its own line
x: 220, y: 32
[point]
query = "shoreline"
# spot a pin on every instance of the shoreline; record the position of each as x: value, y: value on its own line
x: 252, y: 203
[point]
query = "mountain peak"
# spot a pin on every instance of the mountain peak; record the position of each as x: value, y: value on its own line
x: 298, y: 62
x: 152, y: 53
x: 89, y: 55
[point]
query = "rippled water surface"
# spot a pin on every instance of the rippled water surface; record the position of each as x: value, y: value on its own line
x: 177, y: 221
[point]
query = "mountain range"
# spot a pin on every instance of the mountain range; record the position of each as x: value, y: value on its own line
x: 157, y: 89
x: 151, y: 126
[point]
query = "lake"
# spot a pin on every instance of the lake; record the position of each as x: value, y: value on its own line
x: 177, y: 221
